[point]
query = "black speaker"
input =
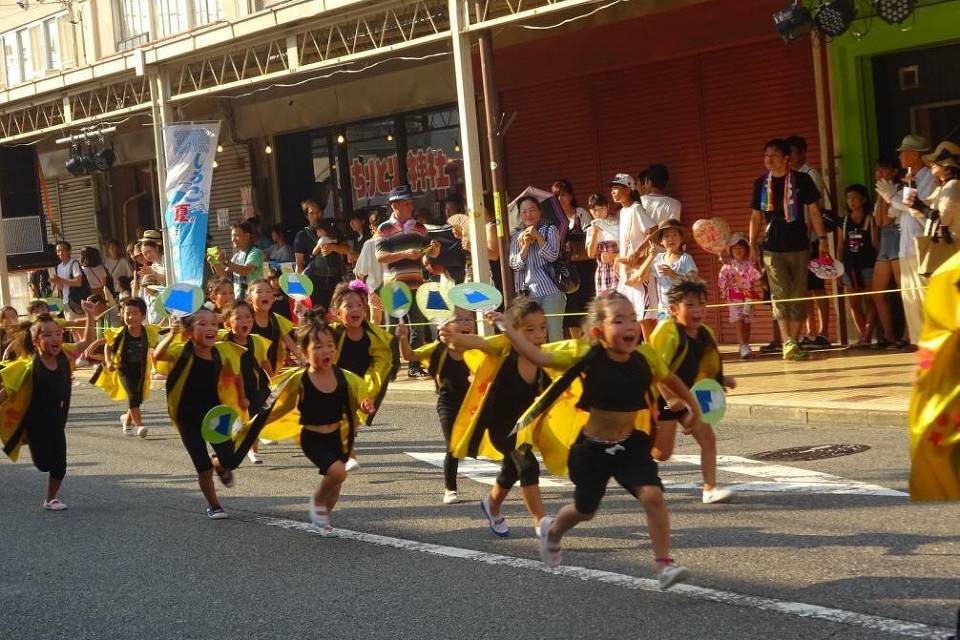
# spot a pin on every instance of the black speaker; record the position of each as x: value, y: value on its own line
x: 20, y: 197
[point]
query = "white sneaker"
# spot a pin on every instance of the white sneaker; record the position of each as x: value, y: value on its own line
x: 450, y: 497
x: 671, y: 574
x: 745, y: 352
x: 254, y: 457
x: 142, y: 432
x: 54, y: 505
x: 217, y: 513
x: 549, y: 551
x: 125, y: 425
x: 81, y: 362
x: 319, y: 516
x: 498, y: 524
x: 266, y: 442
x: 717, y: 495
x: 352, y: 464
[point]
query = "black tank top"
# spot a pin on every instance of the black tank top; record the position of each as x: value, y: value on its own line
x: 50, y: 397
x: 355, y: 355
x: 510, y: 395
x: 616, y: 386
x: 859, y: 250
x: 454, y: 381
x: 320, y: 408
x: 270, y: 332
x: 200, y: 387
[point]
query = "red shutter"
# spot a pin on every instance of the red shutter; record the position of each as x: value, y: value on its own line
x: 705, y: 116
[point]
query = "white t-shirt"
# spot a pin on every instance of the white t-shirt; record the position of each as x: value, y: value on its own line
x: 634, y: 224
x: 910, y: 227
x: 68, y: 271
x: 118, y: 268
x: 661, y: 208
x: 149, y: 297
x: 367, y: 266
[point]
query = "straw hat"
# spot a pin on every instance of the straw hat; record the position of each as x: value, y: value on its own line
x: 913, y: 142
x: 672, y: 224
x: 947, y: 154
x: 152, y: 235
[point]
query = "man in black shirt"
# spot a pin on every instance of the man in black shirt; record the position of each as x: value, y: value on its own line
x: 778, y: 227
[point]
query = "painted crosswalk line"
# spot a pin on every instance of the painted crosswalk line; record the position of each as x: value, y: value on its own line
x: 771, y: 478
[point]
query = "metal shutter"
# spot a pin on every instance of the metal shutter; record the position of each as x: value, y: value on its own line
x: 229, y: 177
x: 74, y: 205
x: 751, y: 94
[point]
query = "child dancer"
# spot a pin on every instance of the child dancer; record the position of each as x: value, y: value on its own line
x: 220, y: 292
x: 319, y: 404
x: 271, y: 326
x: 602, y: 237
x: 737, y: 282
x: 690, y: 350
x: 205, y: 373
x: 503, y: 386
x: 255, y: 364
x: 450, y: 373
x: 35, y: 400
x: 363, y: 348
x: 125, y: 374
x: 618, y: 379
x: 672, y: 264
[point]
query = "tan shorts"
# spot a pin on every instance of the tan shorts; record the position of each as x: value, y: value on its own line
x: 787, y: 274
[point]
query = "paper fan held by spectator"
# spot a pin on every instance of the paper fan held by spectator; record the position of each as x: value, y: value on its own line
x: 712, y: 235
x: 826, y: 268
x: 934, y: 416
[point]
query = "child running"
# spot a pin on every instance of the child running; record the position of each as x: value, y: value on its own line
x: 271, y: 326
x: 35, y: 400
x: 363, y: 348
x: 689, y: 348
x: 504, y: 385
x: 674, y: 263
x: 450, y: 373
x: 125, y: 374
x: 618, y: 379
x: 319, y: 404
x: 255, y: 367
x: 737, y: 282
x: 205, y: 373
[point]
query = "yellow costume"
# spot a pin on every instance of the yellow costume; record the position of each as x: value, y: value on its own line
x: 256, y: 381
x: 934, y: 417
x: 553, y: 421
x: 17, y: 377
x: 380, y: 354
x: 671, y: 342
x: 280, y: 420
x: 279, y: 327
x: 109, y: 379
x: 226, y: 355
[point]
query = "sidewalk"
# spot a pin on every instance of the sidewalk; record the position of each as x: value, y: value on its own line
x: 835, y: 386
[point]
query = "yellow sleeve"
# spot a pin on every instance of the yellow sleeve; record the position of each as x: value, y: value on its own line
x: 565, y: 353
x: 230, y: 353
x: 175, y: 350
x: 153, y: 335
x: 110, y: 334
x: 424, y: 353
x: 260, y: 347
x: 658, y: 367
x: 381, y: 361
x: 13, y: 375
x: 665, y: 340
x: 285, y: 325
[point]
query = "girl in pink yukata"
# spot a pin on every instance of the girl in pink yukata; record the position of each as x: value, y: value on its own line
x: 737, y: 280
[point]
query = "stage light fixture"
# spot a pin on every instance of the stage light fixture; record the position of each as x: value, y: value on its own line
x: 834, y: 17
x: 105, y: 156
x: 74, y: 163
x: 894, y: 11
x: 793, y: 22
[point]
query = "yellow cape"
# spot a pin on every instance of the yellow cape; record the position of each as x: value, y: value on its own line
x: 284, y: 327
x: 261, y: 347
x: 381, y: 356
x: 226, y: 355
x: 109, y: 380
x: 934, y: 417
x: 17, y: 377
x: 281, y: 420
x: 484, y: 367
x: 552, y: 426
x: 665, y: 340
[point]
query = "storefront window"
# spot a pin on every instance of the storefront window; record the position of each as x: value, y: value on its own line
x: 434, y: 163
x: 372, y: 150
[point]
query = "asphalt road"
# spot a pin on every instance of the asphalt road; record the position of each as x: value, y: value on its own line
x: 135, y: 556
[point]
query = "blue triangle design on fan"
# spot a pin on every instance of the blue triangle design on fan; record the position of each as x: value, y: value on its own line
x: 436, y: 302
x: 475, y: 297
x: 295, y: 288
x: 708, y: 400
x: 399, y: 298
x: 223, y: 424
x: 180, y: 300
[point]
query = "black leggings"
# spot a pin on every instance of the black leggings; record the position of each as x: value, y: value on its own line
x: 48, y: 448
x: 132, y: 381
x: 447, y: 415
x: 518, y: 464
x: 189, y: 420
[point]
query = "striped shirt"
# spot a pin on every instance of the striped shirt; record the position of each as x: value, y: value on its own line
x: 394, y: 236
x: 531, y: 272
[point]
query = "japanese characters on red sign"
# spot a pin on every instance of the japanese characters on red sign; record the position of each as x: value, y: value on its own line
x: 426, y: 171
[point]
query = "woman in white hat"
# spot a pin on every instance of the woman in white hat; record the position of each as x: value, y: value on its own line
x: 943, y: 205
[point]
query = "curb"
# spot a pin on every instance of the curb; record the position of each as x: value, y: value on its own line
x: 738, y: 411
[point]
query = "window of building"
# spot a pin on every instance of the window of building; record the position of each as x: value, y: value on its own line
x: 11, y: 59
x: 434, y: 162
x: 24, y: 59
x: 140, y: 21
x: 51, y: 35
x: 171, y: 17
x: 133, y: 17
x: 207, y: 11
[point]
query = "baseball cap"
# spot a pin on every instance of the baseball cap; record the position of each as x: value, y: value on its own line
x: 623, y: 180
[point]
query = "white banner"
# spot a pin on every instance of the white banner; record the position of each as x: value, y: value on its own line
x: 190, y: 149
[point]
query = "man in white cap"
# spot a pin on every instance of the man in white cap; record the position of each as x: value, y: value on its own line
x: 910, y: 153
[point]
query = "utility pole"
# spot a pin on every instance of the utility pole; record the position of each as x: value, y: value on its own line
x: 491, y: 108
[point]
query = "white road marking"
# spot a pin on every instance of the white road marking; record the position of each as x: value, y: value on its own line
x: 775, y: 478
x: 785, y: 607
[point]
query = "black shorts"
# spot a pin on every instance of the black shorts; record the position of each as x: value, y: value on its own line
x: 592, y: 464
x: 666, y: 414
x: 189, y: 420
x: 322, y: 449
x: 132, y: 381
x: 48, y: 448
